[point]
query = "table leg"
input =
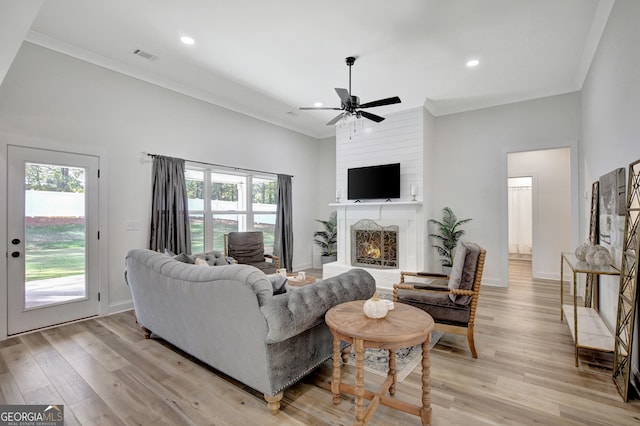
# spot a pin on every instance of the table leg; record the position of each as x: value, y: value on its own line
x: 359, y: 393
x: 561, y: 283
x: 335, y: 381
x: 575, y: 314
x: 425, y: 411
x: 392, y: 371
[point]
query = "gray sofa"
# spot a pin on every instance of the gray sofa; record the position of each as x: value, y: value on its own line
x: 228, y: 317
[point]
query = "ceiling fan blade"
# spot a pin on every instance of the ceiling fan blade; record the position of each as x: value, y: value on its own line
x: 310, y: 108
x: 381, y: 102
x: 344, y: 95
x: 335, y: 119
x: 370, y: 116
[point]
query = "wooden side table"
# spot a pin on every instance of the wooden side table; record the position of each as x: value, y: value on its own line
x: 403, y: 327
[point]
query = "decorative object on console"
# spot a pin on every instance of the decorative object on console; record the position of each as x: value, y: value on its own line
x: 581, y: 251
x: 328, y: 238
x: 449, y: 235
x: 375, y: 307
x: 598, y: 255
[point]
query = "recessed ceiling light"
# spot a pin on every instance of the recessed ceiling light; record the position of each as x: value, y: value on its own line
x: 187, y: 40
x: 317, y: 104
x: 473, y: 63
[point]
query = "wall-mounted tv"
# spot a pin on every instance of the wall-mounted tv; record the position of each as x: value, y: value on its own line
x: 374, y: 182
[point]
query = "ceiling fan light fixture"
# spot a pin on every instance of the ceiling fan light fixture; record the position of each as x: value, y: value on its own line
x: 318, y: 104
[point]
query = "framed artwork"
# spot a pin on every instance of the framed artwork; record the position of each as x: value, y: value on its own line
x: 611, y: 209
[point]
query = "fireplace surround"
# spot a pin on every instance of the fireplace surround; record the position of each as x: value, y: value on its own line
x: 409, y: 244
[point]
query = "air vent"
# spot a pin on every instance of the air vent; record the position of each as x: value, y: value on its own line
x: 145, y: 55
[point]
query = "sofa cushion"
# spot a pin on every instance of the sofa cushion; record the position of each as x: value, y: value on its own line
x: 439, y: 306
x: 463, y: 271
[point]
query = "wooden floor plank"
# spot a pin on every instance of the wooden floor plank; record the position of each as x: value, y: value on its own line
x: 107, y: 373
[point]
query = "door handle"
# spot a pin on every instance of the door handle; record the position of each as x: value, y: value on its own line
x: 15, y: 254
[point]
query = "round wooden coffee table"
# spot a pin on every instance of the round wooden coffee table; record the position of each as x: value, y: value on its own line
x: 403, y: 327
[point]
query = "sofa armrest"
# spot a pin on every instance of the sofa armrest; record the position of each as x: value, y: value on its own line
x: 294, y: 312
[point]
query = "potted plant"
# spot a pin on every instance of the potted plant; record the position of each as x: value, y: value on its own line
x: 447, y: 239
x: 328, y: 238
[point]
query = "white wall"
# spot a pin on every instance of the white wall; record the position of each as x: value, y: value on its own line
x: 325, y: 188
x: 469, y: 166
x: 611, y: 128
x: 552, y: 217
x: 50, y: 96
x: 397, y: 139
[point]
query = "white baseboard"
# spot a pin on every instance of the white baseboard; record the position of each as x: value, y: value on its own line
x: 120, y: 307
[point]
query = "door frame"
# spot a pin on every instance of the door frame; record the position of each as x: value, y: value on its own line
x: 575, y: 185
x: 7, y: 139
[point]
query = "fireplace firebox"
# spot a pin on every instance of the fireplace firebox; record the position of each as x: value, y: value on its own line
x: 373, y: 245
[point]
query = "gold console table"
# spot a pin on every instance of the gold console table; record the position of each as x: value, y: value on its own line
x: 587, y: 328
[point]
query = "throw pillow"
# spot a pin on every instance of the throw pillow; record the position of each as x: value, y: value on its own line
x: 201, y: 262
x: 469, y: 272
x: 183, y: 257
x: 278, y: 283
x: 455, y: 277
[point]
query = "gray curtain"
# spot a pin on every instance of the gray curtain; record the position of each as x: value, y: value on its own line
x: 169, y: 207
x: 283, y: 241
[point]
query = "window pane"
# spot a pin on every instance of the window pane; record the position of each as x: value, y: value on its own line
x: 196, y: 224
x: 195, y: 190
x: 227, y: 192
x: 264, y: 195
x: 267, y: 224
x: 223, y: 224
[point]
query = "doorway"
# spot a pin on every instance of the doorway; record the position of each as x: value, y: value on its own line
x: 520, y: 202
x: 52, y: 218
x: 540, y: 199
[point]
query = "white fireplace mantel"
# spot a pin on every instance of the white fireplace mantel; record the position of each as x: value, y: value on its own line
x: 407, y: 215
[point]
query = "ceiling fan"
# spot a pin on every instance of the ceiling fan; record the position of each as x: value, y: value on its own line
x: 350, y: 105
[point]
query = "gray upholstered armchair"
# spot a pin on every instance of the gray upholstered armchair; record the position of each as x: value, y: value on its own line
x: 450, y: 299
x: 248, y: 248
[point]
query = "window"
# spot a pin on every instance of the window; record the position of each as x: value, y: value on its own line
x: 220, y: 203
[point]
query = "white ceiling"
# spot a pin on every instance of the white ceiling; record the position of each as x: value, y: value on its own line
x: 267, y: 58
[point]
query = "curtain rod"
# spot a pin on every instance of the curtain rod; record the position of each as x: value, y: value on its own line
x: 222, y: 165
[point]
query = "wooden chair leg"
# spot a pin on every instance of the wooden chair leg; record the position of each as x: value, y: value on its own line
x: 273, y: 402
x: 472, y: 345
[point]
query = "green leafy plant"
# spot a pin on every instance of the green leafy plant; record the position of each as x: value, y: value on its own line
x: 328, y: 238
x: 450, y: 234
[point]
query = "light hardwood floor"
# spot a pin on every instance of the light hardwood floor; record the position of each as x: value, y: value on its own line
x: 105, y: 372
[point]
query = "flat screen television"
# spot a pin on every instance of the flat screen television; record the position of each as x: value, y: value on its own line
x: 374, y: 182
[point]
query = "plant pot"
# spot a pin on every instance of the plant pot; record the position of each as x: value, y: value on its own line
x: 446, y: 270
x: 327, y: 259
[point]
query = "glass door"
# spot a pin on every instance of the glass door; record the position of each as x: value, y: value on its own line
x: 52, y: 247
